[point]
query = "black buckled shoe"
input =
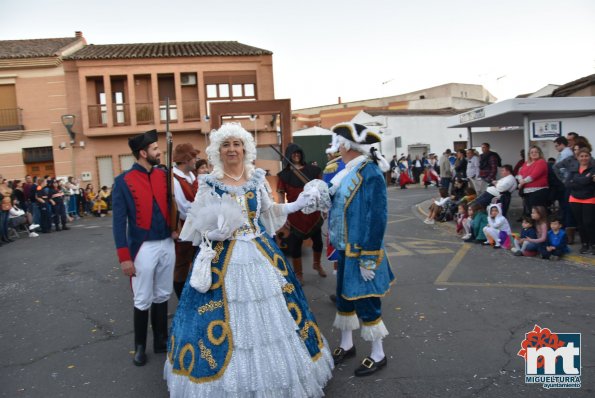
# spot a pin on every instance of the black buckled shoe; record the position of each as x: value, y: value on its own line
x: 339, y: 354
x: 369, y: 366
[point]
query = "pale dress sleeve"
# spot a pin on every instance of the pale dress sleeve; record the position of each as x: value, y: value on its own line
x: 272, y: 215
x: 190, y: 230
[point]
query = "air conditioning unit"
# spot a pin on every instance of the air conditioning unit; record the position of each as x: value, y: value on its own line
x: 188, y: 79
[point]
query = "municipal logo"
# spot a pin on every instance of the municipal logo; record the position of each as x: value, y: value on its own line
x: 552, y: 359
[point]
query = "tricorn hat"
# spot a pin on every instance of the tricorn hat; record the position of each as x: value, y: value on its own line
x: 356, y: 132
x: 184, y: 152
x: 143, y: 140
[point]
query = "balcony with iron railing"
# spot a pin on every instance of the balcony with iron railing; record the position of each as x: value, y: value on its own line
x: 97, y: 115
x: 144, y: 113
x: 121, y: 114
x: 173, y: 111
x: 11, y: 119
x: 191, y: 110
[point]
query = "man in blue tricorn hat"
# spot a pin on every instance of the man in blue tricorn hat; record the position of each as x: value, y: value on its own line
x: 356, y: 228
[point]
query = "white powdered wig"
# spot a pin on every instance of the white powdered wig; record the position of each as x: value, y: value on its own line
x: 365, y: 149
x: 231, y: 130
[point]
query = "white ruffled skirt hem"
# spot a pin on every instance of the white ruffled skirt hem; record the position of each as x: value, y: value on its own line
x: 269, y: 358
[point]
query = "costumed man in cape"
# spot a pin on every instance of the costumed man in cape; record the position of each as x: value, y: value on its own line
x: 185, y: 187
x: 357, y: 223
x: 301, y: 226
x: 144, y: 242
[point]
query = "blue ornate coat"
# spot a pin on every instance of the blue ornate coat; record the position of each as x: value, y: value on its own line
x: 357, y: 224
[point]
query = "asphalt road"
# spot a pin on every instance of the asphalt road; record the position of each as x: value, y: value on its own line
x: 457, y: 316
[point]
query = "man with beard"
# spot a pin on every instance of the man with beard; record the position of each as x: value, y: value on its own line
x: 144, y: 242
x: 301, y: 226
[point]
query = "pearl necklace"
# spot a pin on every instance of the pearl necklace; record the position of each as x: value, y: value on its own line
x: 236, y: 179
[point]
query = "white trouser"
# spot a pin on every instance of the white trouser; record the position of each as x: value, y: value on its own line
x: 467, y: 226
x: 479, y: 185
x: 154, y: 278
x: 492, y: 233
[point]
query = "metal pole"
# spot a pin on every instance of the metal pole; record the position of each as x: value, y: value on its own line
x: 526, y: 135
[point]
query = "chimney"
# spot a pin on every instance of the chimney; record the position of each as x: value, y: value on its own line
x: 339, y: 100
x: 78, y: 34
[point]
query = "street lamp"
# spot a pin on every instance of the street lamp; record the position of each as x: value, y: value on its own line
x: 68, y: 122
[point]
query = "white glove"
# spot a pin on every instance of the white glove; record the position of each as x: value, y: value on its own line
x: 367, y: 274
x: 302, y: 201
x: 219, y: 235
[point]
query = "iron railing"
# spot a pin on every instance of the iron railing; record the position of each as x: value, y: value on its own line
x: 97, y: 115
x: 11, y: 119
x: 191, y: 110
x: 144, y: 113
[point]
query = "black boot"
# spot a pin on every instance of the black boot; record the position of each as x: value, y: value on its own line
x: 159, y: 325
x: 141, y: 321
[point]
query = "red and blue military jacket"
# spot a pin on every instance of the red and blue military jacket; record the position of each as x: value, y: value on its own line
x: 140, y: 213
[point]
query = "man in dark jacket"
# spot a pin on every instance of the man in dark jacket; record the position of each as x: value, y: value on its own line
x: 488, y: 166
x: 301, y: 226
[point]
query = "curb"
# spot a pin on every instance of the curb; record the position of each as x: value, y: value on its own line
x: 575, y: 258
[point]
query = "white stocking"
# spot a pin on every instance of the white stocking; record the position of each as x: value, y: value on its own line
x: 346, y: 339
x: 377, y: 350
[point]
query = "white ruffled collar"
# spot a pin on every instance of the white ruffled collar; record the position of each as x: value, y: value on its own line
x: 353, y: 163
x: 255, y: 181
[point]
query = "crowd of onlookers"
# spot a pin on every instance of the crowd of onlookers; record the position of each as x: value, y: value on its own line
x: 558, y: 196
x: 43, y: 205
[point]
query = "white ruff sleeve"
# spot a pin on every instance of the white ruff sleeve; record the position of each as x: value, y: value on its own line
x: 190, y: 230
x: 272, y: 215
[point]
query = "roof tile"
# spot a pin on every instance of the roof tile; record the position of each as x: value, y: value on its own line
x: 33, y: 48
x: 166, y: 50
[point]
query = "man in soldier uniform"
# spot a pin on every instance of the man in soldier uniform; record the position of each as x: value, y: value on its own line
x: 185, y: 187
x: 301, y: 226
x: 145, y: 248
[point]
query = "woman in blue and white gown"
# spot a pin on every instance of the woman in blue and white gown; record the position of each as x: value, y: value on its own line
x: 252, y: 333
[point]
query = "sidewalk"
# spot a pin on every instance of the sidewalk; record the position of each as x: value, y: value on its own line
x: 514, y: 213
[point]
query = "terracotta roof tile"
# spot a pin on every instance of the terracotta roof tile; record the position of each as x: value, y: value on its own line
x: 33, y: 48
x: 574, y: 86
x: 166, y: 50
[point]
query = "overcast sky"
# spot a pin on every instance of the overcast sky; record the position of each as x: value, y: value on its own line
x: 326, y: 49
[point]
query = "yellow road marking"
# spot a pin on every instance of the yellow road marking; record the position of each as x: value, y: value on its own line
x: 452, y: 265
x: 517, y: 286
x: 400, y: 250
x: 579, y: 259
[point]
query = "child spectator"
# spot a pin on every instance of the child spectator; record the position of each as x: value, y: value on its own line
x: 462, y: 215
x: 539, y: 216
x: 528, y: 231
x: 438, y: 206
x: 480, y: 220
x: 498, y: 228
x: 470, y: 195
x: 557, y: 242
x: 458, y: 190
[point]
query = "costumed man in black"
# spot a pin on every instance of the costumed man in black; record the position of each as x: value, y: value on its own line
x: 144, y: 243
x: 301, y: 226
x: 185, y: 187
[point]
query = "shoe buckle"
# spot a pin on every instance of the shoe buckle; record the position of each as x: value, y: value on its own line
x: 337, y: 351
x: 368, y: 363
